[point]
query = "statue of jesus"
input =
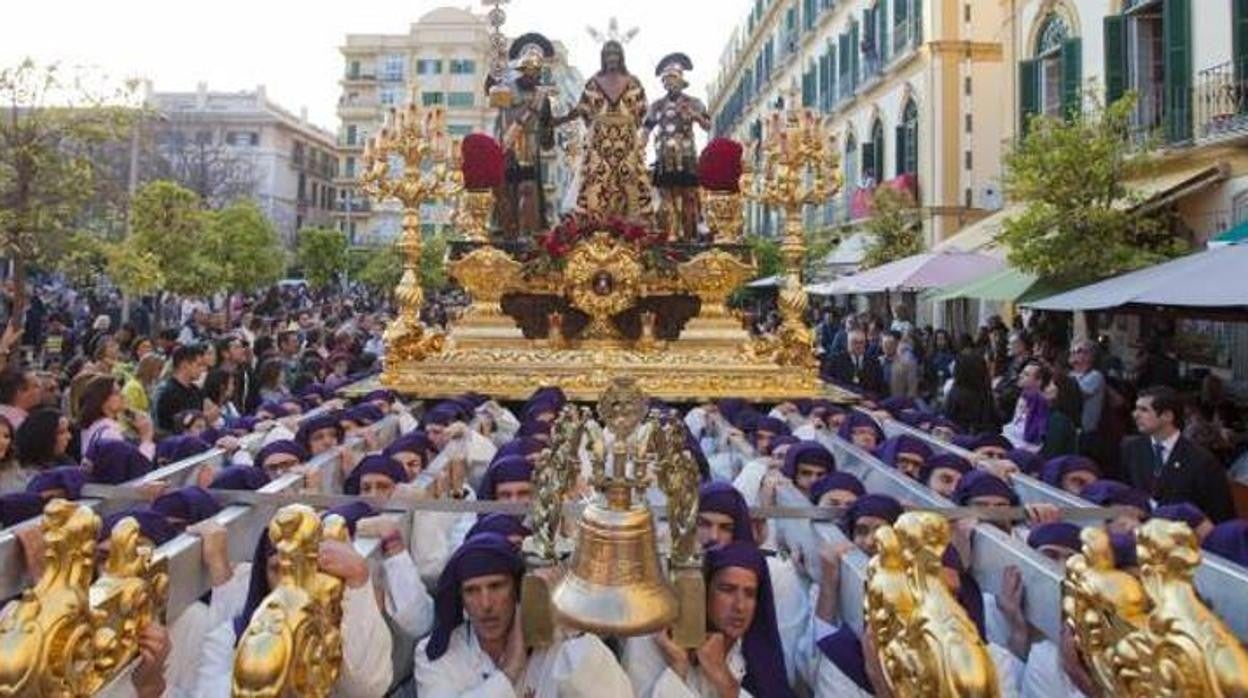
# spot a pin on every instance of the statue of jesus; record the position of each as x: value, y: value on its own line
x: 614, y: 180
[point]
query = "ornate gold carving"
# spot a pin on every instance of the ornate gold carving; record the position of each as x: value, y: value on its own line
x: 472, y: 215
x: 603, y: 279
x: 293, y: 644
x: 725, y: 215
x: 679, y: 479
x: 799, y: 170
x: 416, y: 138
x: 65, y: 636
x: 927, y: 644
x: 1152, y: 636
x: 555, y: 476
x: 712, y: 276
x: 648, y: 342
x: 487, y: 273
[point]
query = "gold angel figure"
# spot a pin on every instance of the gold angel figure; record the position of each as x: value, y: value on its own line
x: 928, y: 645
x: 678, y: 477
x: 293, y: 645
x: 130, y: 594
x: 556, y: 475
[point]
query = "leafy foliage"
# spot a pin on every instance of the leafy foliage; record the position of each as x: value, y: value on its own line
x: 53, y: 122
x: 380, y: 268
x: 136, y: 272
x: 322, y: 254
x: 894, y: 226
x: 83, y: 259
x: 766, y: 253
x: 170, y: 226
x: 245, y: 246
x: 1081, y: 221
x: 433, y: 263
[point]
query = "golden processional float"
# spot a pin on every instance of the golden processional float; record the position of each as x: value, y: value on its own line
x: 600, y: 295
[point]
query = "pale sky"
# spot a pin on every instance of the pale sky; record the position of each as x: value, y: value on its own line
x: 291, y: 46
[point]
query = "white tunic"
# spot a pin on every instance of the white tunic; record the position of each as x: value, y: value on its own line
x: 366, y: 663
x: 571, y: 668
x: 1043, y: 677
x: 831, y: 682
x: 653, y: 678
x: 407, y: 600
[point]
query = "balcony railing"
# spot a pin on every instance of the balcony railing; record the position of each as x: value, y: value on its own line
x: 1162, y: 115
x: 1221, y: 95
x: 359, y: 76
x: 357, y: 206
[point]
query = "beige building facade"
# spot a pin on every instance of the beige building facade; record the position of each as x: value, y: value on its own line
x: 910, y: 90
x: 442, y: 60
x: 229, y: 145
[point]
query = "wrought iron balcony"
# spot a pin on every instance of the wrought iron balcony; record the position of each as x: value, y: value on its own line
x: 1221, y: 96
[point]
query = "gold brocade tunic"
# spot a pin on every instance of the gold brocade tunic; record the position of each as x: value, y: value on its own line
x: 614, y: 179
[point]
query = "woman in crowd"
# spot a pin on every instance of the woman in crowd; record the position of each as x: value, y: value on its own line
x: 139, y: 387
x: 271, y: 381
x: 969, y: 402
x: 43, y: 440
x: 101, y: 409
x: 13, y: 476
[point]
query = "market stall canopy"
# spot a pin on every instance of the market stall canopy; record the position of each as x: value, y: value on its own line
x: 1213, y: 279
x: 1238, y: 233
x: 915, y: 273
x: 1007, y: 285
x: 1156, y: 191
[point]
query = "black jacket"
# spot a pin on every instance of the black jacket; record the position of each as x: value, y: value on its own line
x: 1191, y: 474
x: 868, y: 378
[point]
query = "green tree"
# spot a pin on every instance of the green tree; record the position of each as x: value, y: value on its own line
x: 767, y: 256
x: 83, y: 258
x: 169, y: 226
x: 322, y: 254
x: 381, y: 269
x: 136, y: 272
x: 245, y: 247
x: 50, y: 125
x: 433, y: 263
x: 1082, y: 221
x: 896, y: 231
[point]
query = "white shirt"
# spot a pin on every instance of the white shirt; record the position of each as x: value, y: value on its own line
x: 653, y: 678
x: 831, y: 682
x: 1043, y: 676
x: 407, y: 601
x: 366, y: 646
x: 572, y: 668
x: 1167, y: 446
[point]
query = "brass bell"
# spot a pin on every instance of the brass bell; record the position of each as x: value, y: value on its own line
x: 614, y: 585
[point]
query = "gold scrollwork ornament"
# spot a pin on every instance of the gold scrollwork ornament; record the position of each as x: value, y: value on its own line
x: 293, y: 644
x: 712, y: 276
x: 602, y: 278
x: 927, y: 645
x: 1151, y: 636
x: 487, y: 273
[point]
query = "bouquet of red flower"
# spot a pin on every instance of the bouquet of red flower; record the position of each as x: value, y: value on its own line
x: 719, y: 167
x: 483, y: 162
x: 553, y: 246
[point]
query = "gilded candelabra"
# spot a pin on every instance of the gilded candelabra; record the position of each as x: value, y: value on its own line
x: 414, y: 142
x: 500, y: 92
x: 799, y: 169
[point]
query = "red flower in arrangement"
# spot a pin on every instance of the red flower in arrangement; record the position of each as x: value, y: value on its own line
x: 483, y: 163
x: 719, y: 167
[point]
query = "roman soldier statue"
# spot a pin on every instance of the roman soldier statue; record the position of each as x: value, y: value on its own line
x: 676, y: 155
x: 525, y: 130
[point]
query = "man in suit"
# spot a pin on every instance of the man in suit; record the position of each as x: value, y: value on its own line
x: 1171, y: 467
x: 854, y: 369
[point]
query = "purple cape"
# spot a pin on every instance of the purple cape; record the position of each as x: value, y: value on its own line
x: 113, y: 462
x: 1230, y: 540
x: 1057, y: 468
x: 70, y: 478
x: 187, y: 504
x: 835, y: 481
x: 981, y: 483
x: 284, y: 447
x: 880, y: 506
x: 807, y: 453
x: 903, y: 443
x: 240, y: 477
x: 507, y: 469
x: 374, y: 465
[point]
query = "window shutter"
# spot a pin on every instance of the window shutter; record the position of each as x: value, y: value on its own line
x: 868, y: 161
x: 1115, y: 58
x: 899, y: 149
x: 1072, y: 77
x: 1177, y: 18
x: 916, y: 19
x: 881, y: 20
x: 1239, y: 39
x: 855, y: 50
x: 1029, y: 92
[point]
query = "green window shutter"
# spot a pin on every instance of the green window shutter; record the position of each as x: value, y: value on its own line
x: 1177, y: 18
x: 1029, y: 92
x: 855, y: 51
x: 1239, y: 39
x: 881, y: 20
x: 1115, y: 58
x: 1072, y: 77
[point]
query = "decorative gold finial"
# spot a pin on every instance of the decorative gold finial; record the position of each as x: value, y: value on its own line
x: 293, y: 643
x: 927, y: 644
x: 799, y: 170
x: 1151, y: 636
x: 415, y: 142
x: 65, y: 636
